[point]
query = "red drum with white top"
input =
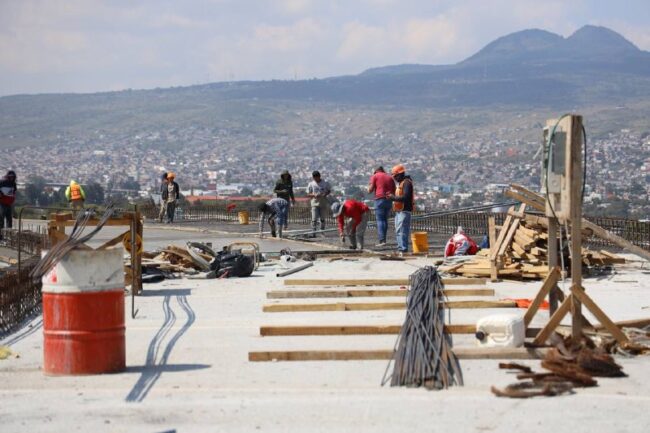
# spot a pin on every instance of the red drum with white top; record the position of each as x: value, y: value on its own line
x: 83, y: 314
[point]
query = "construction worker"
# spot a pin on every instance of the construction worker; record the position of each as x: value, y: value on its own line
x: 460, y: 245
x: 318, y: 190
x: 403, y: 203
x: 274, y: 211
x: 76, y: 195
x: 382, y: 184
x: 164, y: 194
x: 352, y: 217
x: 8, y: 191
x: 284, y: 189
x: 173, y: 194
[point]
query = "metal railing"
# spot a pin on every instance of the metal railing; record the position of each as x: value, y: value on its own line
x: 474, y: 223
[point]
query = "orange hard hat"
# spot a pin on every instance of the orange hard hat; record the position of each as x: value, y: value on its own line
x: 399, y: 168
x: 170, y: 175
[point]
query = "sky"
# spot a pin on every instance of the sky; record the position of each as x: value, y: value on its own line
x: 55, y: 46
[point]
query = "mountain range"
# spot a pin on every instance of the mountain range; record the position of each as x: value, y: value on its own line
x: 527, y: 70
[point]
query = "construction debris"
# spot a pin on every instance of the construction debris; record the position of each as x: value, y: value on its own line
x: 569, y: 365
x: 522, y: 252
x: 199, y: 259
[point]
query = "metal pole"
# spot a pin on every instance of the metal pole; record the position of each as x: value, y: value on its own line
x: 294, y: 270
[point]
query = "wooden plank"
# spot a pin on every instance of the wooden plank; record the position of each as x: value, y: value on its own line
x: 553, y: 322
x: 511, y: 233
x: 370, y: 293
x: 494, y: 252
x: 553, y: 262
x: 94, y: 222
x: 116, y: 240
x: 371, y: 306
x: 524, y: 199
x: 385, y: 355
x: 282, y: 331
x: 376, y: 282
x: 492, y: 232
x: 616, y: 332
x: 596, y: 229
x: 549, y: 283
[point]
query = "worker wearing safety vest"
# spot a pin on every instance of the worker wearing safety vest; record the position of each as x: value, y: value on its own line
x: 403, y: 201
x: 75, y: 195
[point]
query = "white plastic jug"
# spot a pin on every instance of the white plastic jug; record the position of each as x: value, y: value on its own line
x: 501, y: 330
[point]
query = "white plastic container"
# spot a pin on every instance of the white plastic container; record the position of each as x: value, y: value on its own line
x: 501, y: 330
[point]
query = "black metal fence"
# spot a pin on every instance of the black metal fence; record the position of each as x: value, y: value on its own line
x: 20, y: 295
x: 474, y: 223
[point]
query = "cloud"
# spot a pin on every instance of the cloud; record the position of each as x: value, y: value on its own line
x: 294, y: 6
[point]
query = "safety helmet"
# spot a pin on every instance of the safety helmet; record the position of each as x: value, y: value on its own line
x: 399, y: 168
x: 337, y: 208
x: 170, y: 175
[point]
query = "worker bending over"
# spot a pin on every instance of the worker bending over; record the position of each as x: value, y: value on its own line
x: 460, y: 245
x: 275, y: 211
x: 76, y: 195
x: 352, y: 217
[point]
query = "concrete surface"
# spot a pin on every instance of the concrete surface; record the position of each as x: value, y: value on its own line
x: 188, y: 371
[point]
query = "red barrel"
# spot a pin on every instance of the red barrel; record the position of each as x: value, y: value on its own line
x: 83, y: 314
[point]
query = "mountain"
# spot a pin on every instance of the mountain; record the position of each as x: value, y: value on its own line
x: 524, y: 71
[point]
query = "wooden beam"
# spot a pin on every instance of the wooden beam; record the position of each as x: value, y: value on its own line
x: 549, y: 283
x: 369, y: 293
x: 371, y: 306
x: 596, y: 229
x: 616, y: 332
x: 519, y: 197
x: 616, y: 240
x: 377, y: 282
x: 94, y: 222
x: 385, y: 355
x: 553, y: 322
x: 116, y: 240
x: 282, y: 331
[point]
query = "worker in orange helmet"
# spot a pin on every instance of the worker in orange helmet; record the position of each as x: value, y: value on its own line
x: 173, y: 194
x: 76, y: 195
x: 403, y: 202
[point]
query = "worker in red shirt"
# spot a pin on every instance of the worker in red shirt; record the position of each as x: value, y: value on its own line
x: 460, y: 245
x: 382, y: 184
x: 352, y: 217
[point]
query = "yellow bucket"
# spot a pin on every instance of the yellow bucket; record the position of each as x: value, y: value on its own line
x: 420, y: 242
x: 243, y: 217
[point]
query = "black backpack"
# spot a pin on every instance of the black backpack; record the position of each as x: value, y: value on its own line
x: 232, y: 264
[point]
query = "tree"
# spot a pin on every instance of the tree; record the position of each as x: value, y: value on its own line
x: 34, y: 190
x: 94, y: 193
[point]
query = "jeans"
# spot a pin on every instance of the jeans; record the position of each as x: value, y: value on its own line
x: 382, y: 210
x: 282, y: 216
x: 171, y: 210
x: 356, y: 234
x: 318, y: 214
x: 402, y: 230
x: 162, y: 211
x: 6, y: 215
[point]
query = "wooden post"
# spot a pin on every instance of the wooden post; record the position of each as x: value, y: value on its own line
x: 553, y: 261
x: 574, y: 181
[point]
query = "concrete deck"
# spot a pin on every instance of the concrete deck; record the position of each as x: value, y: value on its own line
x: 188, y: 371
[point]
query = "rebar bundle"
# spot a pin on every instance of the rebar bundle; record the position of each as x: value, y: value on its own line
x: 423, y: 355
x: 76, y: 238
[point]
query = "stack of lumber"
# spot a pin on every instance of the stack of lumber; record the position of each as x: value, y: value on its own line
x: 521, y: 251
